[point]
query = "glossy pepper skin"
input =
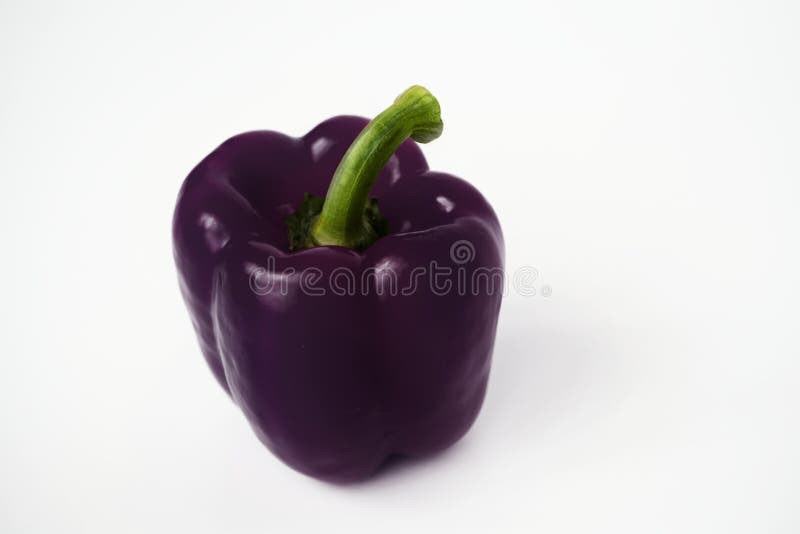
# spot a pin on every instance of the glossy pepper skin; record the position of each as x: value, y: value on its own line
x: 334, y: 384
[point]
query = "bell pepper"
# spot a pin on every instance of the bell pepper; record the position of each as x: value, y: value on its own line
x: 345, y: 296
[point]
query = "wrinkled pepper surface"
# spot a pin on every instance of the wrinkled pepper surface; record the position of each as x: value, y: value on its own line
x: 344, y: 295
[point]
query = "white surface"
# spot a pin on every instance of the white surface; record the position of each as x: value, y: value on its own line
x: 642, y: 156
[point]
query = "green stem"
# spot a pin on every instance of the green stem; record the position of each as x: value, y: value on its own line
x: 343, y: 220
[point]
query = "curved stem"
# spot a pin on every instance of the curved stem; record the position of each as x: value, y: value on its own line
x: 415, y: 114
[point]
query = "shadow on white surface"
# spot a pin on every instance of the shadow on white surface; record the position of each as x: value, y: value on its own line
x: 550, y: 382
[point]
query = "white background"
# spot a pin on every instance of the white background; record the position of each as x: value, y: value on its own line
x: 643, y: 156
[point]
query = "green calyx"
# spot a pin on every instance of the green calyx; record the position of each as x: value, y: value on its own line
x: 300, y: 223
x: 347, y: 217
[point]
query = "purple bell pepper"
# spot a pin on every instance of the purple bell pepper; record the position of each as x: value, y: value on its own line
x: 350, y: 326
